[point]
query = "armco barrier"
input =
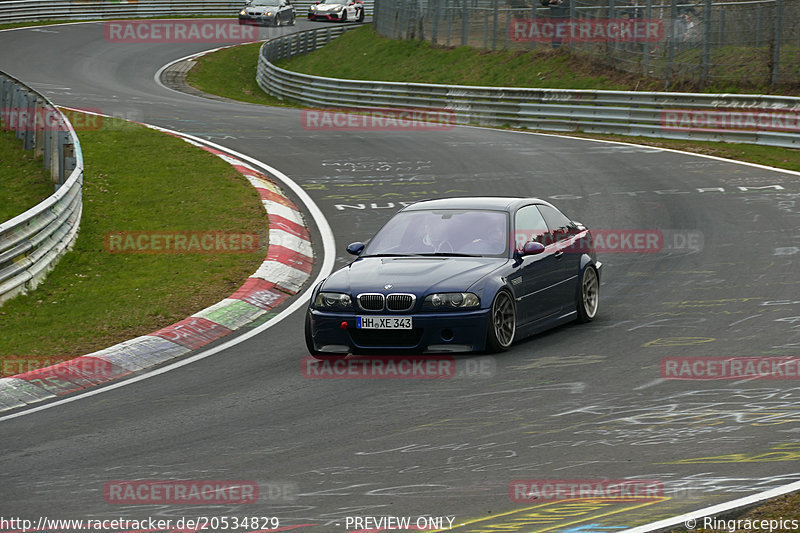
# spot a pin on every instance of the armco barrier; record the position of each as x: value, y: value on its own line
x: 32, y: 242
x: 757, y: 119
x: 27, y: 10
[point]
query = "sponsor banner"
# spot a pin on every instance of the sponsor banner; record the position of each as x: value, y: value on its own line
x: 537, y: 490
x: 730, y: 119
x: 544, y: 30
x: 720, y: 368
x: 378, y: 119
x: 386, y: 367
x: 180, y: 242
x: 191, y: 492
x: 178, y: 31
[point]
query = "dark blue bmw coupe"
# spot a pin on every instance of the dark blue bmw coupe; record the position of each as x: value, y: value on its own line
x: 457, y: 275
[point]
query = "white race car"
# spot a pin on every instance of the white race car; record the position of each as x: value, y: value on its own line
x: 340, y: 10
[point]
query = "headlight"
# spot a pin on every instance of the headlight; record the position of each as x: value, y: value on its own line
x: 338, y: 9
x: 268, y: 13
x: 312, y: 8
x: 243, y: 12
x: 451, y: 300
x: 333, y: 300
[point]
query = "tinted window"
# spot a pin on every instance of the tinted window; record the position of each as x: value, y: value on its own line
x: 442, y: 231
x: 558, y: 224
x: 529, y: 225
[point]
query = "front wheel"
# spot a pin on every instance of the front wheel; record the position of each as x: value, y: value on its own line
x: 277, y: 20
x: 502, y: 323
x: 344, y: 16
x: 291, y: 23
x: 588, y: 299
x: 360, y: 15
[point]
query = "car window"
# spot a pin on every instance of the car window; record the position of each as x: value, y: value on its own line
x: 529, y: 225
x: 558, y: 223
x: 473, y: 232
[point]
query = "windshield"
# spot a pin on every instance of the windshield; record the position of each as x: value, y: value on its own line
x: 270, y: 3
x: 442, y: 232
x: 332, y: 2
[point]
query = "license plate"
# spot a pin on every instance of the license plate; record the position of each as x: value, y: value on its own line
x: 383, y: 322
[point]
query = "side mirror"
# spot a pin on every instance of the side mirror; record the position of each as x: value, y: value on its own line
x: 532, y: 248
x: 355, y: 248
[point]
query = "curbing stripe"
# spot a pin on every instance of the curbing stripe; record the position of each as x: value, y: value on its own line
x: 193, y: 332
x: 261, y: 293
x: 291, y: 258
x: 286, y: 268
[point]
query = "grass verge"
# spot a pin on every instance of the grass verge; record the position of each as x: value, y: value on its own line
x: 781, y: 508
x: 136, y: 179
x: 231, y: 73
x: 379, y: 58
x: 24, y: 182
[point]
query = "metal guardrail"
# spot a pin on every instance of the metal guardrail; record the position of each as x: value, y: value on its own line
x: 27, y: 10
x: 32, y: 242
x: 757, y: 119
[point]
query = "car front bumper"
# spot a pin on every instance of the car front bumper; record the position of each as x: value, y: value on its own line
x: 257, y: 19
x: 325, y: 16
x: 433, y: 332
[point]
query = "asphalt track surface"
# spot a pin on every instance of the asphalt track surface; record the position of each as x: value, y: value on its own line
x: 579, y: 402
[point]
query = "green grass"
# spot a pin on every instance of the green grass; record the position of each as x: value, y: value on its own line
x: 23, y: 180
x: 136, y: 179
x: 378, y: 58
x: 231, y: 72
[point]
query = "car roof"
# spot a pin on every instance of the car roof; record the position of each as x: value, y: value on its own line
x: 500, y: 203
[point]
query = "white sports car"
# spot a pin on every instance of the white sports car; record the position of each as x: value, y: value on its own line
x: 340, y: 10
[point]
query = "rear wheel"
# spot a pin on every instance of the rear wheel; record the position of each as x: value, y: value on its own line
x: 588, y: 299
x: 502, y: 323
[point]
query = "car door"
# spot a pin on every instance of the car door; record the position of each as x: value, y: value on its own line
x: 536, y: 299
x: 567, y: 254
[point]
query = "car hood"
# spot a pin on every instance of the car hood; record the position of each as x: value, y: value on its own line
x: 328, y: 7
x: 257, y: 10
x: 416, y: 275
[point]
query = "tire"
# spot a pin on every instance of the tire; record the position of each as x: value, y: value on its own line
x: 291, y: 23
x: 344, y: 16
x: 502, y: 323
x: 588, y: 297
x: 278, y: 20
x: 316, y: 354
x: 360, y: 15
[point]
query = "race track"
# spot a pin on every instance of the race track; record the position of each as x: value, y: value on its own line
x: 579, y: 402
